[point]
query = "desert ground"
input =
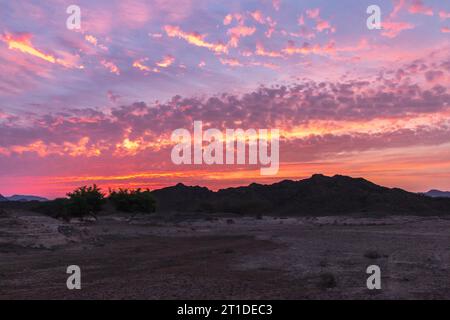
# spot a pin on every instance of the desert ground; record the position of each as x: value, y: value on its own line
x: 224, y: 257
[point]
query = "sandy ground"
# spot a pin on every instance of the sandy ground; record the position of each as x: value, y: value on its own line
x: 224, y: 258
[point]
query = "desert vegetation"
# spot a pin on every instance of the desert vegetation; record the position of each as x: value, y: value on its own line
x: 90, y: 201
x: 138, y: 200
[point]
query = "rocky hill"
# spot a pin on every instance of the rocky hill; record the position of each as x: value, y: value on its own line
x: 318, y: 195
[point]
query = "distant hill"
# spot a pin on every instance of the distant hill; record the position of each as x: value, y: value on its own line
x: 438, y: 194
x: 22, y: 198
x: 318, y: 195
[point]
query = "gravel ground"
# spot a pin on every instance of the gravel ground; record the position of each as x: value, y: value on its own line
x: 224, y: 258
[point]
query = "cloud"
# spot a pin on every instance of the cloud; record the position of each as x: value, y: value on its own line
x: 276, y: 4
x: 261, y: 51
x: 392, y: 29
x: 434, y: 75
x: 321, y: 24
x: 113, y: 97
x: 416, y: 98
x: 258, y: 16
x: 307, y: 49
x: 134, y: 13
x: 22, y: 42
x: 228, y: 19
x: 194, y: 38
x: 139, y: 64
x: 232, y: 62
x: 398, y: 6
x: 418, y: 7
x: 94, y: 41
x: 405, y: 107
x: 110, y: 66
x: 238, y: 32
x: 444, y: 15
x: 166, y: 61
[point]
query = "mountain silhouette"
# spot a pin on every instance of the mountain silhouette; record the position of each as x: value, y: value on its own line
x: 25, y: 198
x: 438, y: 194
x: 21, y: 198
x: 318, y: 195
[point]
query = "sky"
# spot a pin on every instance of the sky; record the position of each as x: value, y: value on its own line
x: 99, y: 104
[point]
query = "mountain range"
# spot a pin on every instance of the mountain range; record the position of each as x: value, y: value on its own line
x: 317, y: 195
x: 438, y: 194
x: 21, y: 198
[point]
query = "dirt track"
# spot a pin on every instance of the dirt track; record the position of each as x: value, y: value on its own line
x: 222, y: 259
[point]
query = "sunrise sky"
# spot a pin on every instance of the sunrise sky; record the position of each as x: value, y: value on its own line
x: 98, y: 105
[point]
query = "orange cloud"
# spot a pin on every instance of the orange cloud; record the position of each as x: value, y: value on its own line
x: 261, y: 19
x: 228, y: 19
x: 81, y: 148
x: 258, y: 16
x: 233, y: 62
x: 94, y: 41
x: 91, y: 39
x: 110, y: 66
x: 261, y: 51
x: 166, y: 61
x: 23, y: 44
x: 445, y: 30
x: 194, y: 38
x: 239, y: 31
x: 139, y: 64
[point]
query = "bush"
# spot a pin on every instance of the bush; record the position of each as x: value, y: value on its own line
x: 56, y: 208
x: 133, y: 200
x: 85, y: 201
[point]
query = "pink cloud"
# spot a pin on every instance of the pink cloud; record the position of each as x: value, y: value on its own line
x: 444, y: 15
x: 313, y: 13
x: 321, y: 24
x: 232, y: 62
x: 393, y: 29
x: 307, y: 49
x: 276, y: 4
x: 418, y: 7
x: 134, y: 13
